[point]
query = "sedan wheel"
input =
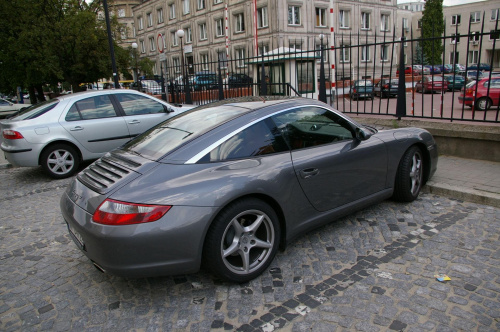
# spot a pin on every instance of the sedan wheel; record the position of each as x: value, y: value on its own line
x: 60, y: 161
x: 409, y: 178
x: 483, y: 104
x: 242, y: 241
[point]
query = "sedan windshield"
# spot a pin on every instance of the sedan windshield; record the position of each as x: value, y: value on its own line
x: 167, y: 136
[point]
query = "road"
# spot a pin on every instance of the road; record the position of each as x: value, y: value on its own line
x: 370, y: 271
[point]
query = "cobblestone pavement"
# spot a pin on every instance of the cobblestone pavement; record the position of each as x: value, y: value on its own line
x: 370, y: 271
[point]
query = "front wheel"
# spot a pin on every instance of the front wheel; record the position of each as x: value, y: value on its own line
x: 483, y: 104
x: 242, y: 241
x: 409, y: 177
x: 60, y: 161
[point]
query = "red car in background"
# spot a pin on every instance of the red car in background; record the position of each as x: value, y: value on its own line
x: 431, y: 84
x: 482, y: 96
x: 408, y: 70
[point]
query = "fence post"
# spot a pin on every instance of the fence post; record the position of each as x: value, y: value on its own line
x: 322, y: 81
x: 219, y: 83
x: 263, y: 83
x: 401, y: 102
x: 163, y: 94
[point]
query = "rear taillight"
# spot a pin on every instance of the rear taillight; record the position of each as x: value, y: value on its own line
x: 116, y: 213
x: 12, y: 134
x: 386, y: 86
x: 354, y: 90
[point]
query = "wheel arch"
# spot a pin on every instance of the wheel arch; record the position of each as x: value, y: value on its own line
x: 427, y: 159
x: 69, y: 143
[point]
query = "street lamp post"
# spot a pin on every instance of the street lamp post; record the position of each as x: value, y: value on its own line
x: 322, y: 80
x: 136, y: 75
x: 187, y: 89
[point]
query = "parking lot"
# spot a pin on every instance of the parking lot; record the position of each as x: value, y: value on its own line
x: 370, y: 271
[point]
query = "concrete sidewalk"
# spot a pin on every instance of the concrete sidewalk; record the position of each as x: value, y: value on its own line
x: 471, y: 180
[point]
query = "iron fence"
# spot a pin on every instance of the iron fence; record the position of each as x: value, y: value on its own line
x: 336, y: 70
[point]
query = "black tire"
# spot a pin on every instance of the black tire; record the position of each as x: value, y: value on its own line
x: 483, y: 104
x: 225, y: 250
x: 410, y: 176
x: 60, y: 161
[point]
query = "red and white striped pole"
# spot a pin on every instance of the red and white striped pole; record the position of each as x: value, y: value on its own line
x: 332, y: 48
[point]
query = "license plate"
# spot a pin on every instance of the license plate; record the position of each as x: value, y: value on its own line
x: 76, y: 235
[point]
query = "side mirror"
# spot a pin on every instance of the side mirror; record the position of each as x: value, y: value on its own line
x: 362, y: 134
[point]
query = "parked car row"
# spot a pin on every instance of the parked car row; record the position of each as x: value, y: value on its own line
x: 206, y: 80
x: 482, y: 94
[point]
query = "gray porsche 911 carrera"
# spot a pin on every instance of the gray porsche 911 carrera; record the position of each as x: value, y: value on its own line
x: 228, y: 183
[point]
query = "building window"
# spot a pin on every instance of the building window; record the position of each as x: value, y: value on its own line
x: 405, y: 23
x: 177, y: 65
x: 159, y: 13
x: 143, y: 46
x: 384, y: 22
x: 419, y: 24
x: 185, y: 7
x: 455, y: 19
x: 494, y: 34
x: 454, y: 57
x: 325, y: 52
x: 171, y: 8
x: 474, y: 37
x: 305, y: 76
x: 123, y: 33
x: 189, y: 35
x: 473, y: 57
x: 201, y: 4
x: 152, y: 46
x: 262, y: 20
x: 344, y: 19
x: 219, y: 27
x: 240, y: 57
x: 217, y: 1
x: 263, y: 49
x: 365, y: 53
x: 203, y: 31
x: 204, y: 61
x: 494, y: 14
x: 475, y: 17
x: 345, y: 53
x: 173, y: 36
x: 365, y: 21
x: 149, y: 17
x: 455, y: 38
x: 297, y: 45
x: 240, y: 22
x: 121, y: 12
x: 293, y: 15
x: 140, y: 23
x: 320, y: 17
x: 384, y: 53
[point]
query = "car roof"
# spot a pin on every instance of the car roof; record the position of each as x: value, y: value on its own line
x: 93, y: 93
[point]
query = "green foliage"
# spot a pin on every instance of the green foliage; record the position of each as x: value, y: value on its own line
x: 50, y: 41
x: 433, y: 26
x: 419, y: 56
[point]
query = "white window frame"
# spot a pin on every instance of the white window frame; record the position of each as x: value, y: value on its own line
x: 455, y: 38
x: 321, y: 17
x: 294, y: 15
x: 171, y: 9
x: 365, y: 53
x: 219, y: 27
x: 201, y: 4
x: 494, y: 14
x: 262, y: 17
x: 384, y: 53
x: 121, y: 12
x: 475, y: 17
x: 473, y: 56
x: 143, y: 46
x: 456, y: 19
x: 177, y: 64
x: 159, y: 13
x: 204, y: 61
x: 365, y: 20
x: 263, y: 49
x: 175, y: 40
x: 345, y: 53
x: 149, y: 17
x: 140, y: 23
x: 217, y: 2
x: 385, y: 22
x: 239, y: 23
x: 202, y: 27
x: 474, y: 37
x: 240, y: 57
x: 454, y: 54
x: 344, y: 18
x: 189, y: 35
x: 405, y: 23
x: 185, y: 7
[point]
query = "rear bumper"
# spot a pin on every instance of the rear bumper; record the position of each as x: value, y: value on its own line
x: 465, y: 100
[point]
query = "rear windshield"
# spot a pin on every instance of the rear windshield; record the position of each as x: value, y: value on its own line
x: 167, y: 136
x: 36, y: 110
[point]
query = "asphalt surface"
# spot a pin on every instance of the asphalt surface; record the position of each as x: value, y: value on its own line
x: 374, y: 270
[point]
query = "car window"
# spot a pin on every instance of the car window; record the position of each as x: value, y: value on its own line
x: 312, y: 126
x: 495, y: 84
x: 4, y: 102
x: 91, y: 108
x: 259, y: 139
x: 133, y: 104
x: 396, y: 82
x: 36, y: 110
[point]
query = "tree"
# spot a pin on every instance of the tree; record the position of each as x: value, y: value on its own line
x: 433, y: 27
x: 51, y: 41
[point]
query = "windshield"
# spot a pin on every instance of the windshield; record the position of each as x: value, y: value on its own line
x: 364, y: 83
x: 36, y: 110
x: 174, y: 132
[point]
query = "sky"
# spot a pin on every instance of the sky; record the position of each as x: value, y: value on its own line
x: 447, y: 2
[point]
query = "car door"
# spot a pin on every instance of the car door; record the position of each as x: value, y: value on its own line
x: 332, y: 167
x: 141, y: 112
x: 95, y: 124
x: 494, y: 91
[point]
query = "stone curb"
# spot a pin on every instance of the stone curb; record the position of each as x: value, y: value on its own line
x: 461, y: 193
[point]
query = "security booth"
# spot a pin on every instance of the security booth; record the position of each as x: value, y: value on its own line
x: 287, y: 72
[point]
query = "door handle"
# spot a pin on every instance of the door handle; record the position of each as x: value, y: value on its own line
x: 134, y: 122
x: 77, y: 128
x: 309, y: 172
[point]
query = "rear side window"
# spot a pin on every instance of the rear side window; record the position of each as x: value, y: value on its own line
x: 91, y: 108
x: 136, y: 105
x: 36, y: 110
x: 260, y: 139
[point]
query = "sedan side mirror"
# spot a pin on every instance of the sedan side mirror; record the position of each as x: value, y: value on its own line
x: 362, y: 134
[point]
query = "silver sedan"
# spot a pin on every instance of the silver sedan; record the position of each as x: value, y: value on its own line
x: 226, y: 184
x: 58, y: 134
